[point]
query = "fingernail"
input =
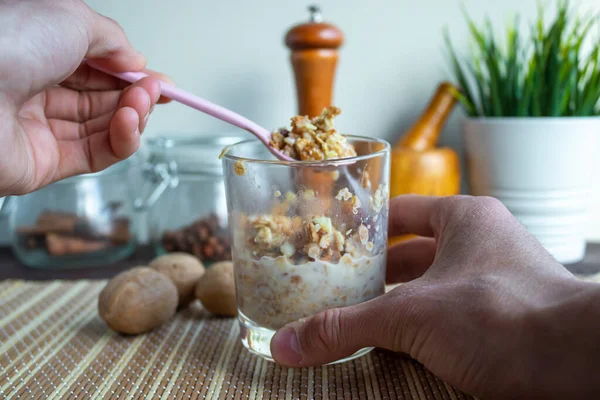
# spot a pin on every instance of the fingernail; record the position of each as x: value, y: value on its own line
x: 137, y: 131
x: 146, y: 119
x: 286, y: 347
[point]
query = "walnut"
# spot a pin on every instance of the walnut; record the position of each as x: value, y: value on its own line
x: 183, y: 269
x: 216, y: 289
x: 138, y: 300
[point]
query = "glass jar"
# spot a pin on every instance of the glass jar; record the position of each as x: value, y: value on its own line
x: 307, y: 236
x: 82, y: 221
x: 184, y: 196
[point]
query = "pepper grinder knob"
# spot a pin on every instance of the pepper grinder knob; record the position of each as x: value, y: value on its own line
x: 314, y: 49
x: 315, y: 14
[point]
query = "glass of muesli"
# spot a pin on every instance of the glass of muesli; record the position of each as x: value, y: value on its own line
x: 306, y: 235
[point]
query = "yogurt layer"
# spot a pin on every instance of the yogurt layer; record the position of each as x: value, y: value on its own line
x: 273, y: 291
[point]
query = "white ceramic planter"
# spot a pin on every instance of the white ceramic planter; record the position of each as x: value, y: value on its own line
x: 541, y: 169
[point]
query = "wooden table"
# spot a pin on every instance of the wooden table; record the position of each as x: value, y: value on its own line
x: 11, y: 268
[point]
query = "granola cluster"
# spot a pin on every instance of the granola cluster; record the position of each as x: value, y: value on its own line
x: 295, y: 238
x: 313, y: 139
x: 311, y: 237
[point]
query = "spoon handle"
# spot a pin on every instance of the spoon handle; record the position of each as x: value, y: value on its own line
x: 195, y: 102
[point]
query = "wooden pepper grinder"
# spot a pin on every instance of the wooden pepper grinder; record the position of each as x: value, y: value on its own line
x: 417, y: 165
x: 314, y: 55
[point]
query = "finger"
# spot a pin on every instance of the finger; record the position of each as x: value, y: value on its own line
x: 69, y: 130
x: 124, y: 137
x: 87, y: 78
x: 141, y: 97
x: 70, y: 105
x: 414, y: 214
x: 410, y: 259
x: 338, y: 333
x: 103, y: 149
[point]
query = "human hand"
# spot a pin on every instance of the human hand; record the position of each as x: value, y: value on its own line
x: 59, y: 117
x: 484, y: 306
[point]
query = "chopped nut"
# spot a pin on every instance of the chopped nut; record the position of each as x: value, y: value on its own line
x: 325, y: 241
x: 313, y: 232
x: 264, y: 235
x: 356, y: 204
x: 344, y: 194
x: 324, y: 223
x: 378, y: 199
x: 287, y: 249
x: 350, y: 248
x: 239, y: 168
x: 296, y: 223
x: 270, y: 232
x: 313, y: 251
x: 277, y: 193
x: 363, y: 233
x: 339, y: 240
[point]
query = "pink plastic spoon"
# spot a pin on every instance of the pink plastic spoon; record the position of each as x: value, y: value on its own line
x: 200, y: 104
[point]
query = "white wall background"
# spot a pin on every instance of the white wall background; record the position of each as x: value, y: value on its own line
x: 232, y: 52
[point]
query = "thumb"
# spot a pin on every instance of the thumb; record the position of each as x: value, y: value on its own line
x: 338, y: 333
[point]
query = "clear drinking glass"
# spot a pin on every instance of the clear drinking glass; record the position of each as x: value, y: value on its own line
x: 306, y: 236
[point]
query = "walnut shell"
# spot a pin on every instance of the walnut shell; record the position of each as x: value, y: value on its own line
x: 138, y: 300
x: 216, y: 289
x: 184, y: 270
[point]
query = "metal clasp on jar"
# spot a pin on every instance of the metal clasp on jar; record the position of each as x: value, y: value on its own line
x: 158, y: 176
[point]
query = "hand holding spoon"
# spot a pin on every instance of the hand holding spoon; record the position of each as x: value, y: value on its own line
x: 203, y: 105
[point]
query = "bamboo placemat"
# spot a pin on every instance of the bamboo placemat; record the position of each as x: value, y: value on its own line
x: 54, y: 345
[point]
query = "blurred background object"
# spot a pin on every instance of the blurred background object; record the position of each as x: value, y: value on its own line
x: 418, y: 165
x: 81, y: 221
x: 314, y: 56
x: 532, y: 131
